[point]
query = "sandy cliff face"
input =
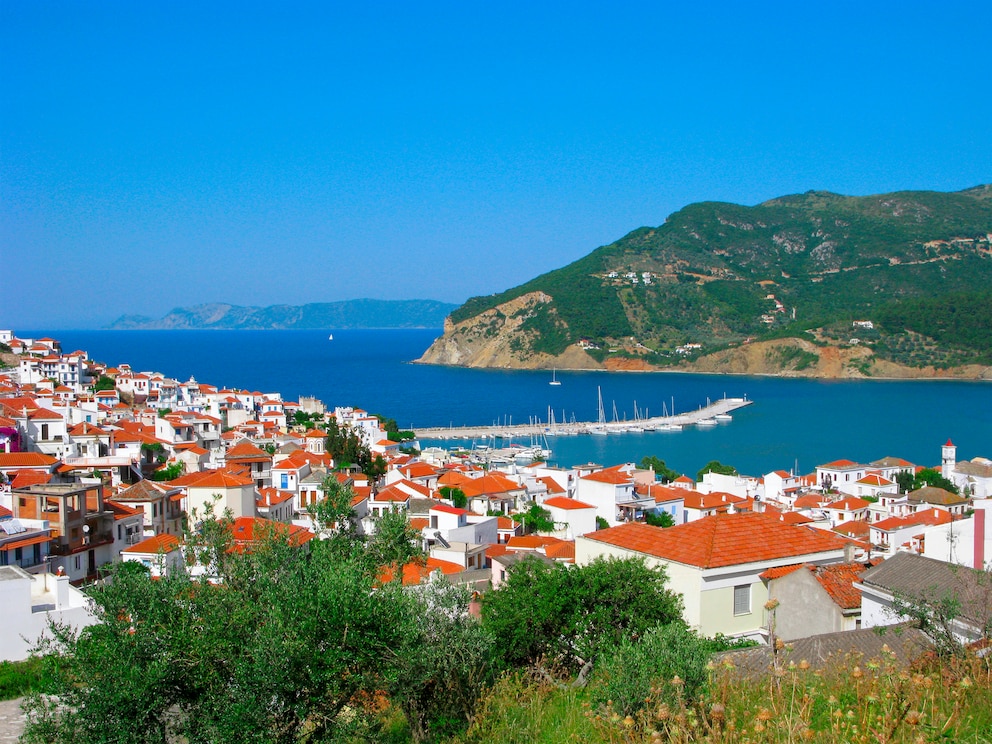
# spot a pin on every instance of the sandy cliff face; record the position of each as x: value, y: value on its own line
x: 493, y: 340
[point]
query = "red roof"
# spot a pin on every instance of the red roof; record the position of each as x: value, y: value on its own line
x: 25, y: 460
x: 851, y: 503
x: 417, y: 572
x: 449, y: 509
x: 159, y: 544
x: 839, y: 465
x: 560, y: 502
x: 721, y: 540
x: 25, y: 478
x: 610, y: 475
x: 244, y: 529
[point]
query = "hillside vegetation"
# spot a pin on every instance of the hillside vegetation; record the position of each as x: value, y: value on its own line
x: 918, y: 265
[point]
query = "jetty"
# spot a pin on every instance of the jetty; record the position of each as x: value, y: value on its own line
x: 711, y: 413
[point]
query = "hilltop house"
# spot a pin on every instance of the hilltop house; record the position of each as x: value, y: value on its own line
x: 716, y: 563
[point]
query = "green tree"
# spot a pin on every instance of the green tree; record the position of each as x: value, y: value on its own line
x: 905, y: 481
x: 535, y: 519
x: 715, y: 466
x: 445, y: 665
x: 393, y: 541
x: 570, y: 615
x: 932, y: 477
x: 456, y: 495
x: 169, y: 472
x: 283, y: 650
x: 659, y: 519
x: 664, y: 473
x: 643, y: 669
x: 104, y: 383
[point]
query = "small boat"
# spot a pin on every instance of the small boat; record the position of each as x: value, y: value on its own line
x: 330, y: 337
x: 554, y: 377
x: 706, y: 422
x: 724, y: 417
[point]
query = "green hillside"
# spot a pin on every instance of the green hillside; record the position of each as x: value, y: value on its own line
x: 717, y: 274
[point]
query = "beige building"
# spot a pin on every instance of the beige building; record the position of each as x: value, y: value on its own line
x: 716, y: 563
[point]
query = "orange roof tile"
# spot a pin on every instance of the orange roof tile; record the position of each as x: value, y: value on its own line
x: 154, y: 545
x: 839, y: 465
x: 721, y: 540
x: 560, y: 502
x: 25, y: 460
x: 417, y: 572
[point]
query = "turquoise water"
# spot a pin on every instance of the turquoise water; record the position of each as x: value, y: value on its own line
x: 792, y: 422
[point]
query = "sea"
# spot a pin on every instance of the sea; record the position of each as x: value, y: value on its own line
x: 793, y: 424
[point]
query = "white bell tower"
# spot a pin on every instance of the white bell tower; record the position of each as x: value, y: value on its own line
x: 948, y: 459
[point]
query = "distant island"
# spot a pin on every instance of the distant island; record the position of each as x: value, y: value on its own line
x: 346, y: 314
x: 816, y: 285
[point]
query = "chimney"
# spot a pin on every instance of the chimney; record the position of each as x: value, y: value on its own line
x: 848, y: 552
x: 979, y: 556
x: 61, y: 592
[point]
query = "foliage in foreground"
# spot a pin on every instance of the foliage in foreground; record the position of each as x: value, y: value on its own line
x: 851, y: 700
x: 18, y: 678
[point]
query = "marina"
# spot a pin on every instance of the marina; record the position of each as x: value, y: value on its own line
x: 708, y: 415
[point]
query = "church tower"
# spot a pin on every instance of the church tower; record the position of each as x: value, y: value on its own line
x: 948, y: 458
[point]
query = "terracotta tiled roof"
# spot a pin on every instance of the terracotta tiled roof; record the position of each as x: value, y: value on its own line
x: 417, y: 572
x: 715, y: 500
x: 154, y: 545
x: 609, y: 475
x: 453, y: 478
x: 875, y: 479
x: 489, y: 485
x: 25, y: 478
x: 212, y: 479
x: 856, y: 529
x: 246, y: 450
x: 25, y: 460
x: 839, y: 465
x: 419, y: 523
x: 144, y: 490
x: 779, y: 571
x: 449, y: 509
x: 560, y: 502
x: 793, y: 518
x: 721, y: 540
x: 838, y: 580
x: 851, y: 503
x: 551, y: 484
x: 505, y: 523
x: 561, y: 551
x: 244, y: 528
x: 418, y: 470
x: 659, y: 493
x: 392, y: 493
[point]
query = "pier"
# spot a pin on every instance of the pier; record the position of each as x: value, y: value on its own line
x: 709, y: 413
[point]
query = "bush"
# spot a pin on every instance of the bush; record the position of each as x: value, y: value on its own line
x: 18, y: 678
x: 668, y: 661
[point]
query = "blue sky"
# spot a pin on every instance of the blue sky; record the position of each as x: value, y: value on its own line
x: 159, y: 154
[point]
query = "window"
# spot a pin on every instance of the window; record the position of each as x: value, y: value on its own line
x: 742, y: 600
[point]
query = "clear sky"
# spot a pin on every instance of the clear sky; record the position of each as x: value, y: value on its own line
x: 160, y: 154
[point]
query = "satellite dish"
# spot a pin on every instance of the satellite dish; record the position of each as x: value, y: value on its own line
x: 86, y: 528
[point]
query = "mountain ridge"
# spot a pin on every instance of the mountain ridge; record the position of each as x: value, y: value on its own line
x: 716, y: 275
x: 345, y: 314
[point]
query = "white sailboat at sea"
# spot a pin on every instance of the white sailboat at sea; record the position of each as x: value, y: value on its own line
x: 600, y: 427
x: 554, y: 377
